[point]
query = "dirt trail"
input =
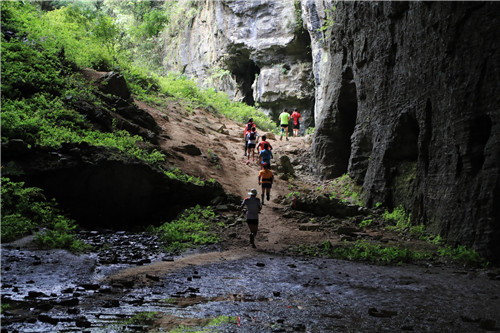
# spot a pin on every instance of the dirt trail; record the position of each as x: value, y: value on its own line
x: 202, y: 129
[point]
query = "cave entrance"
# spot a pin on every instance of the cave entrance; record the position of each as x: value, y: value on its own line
x: 346, y: 121
x: 244, y: 71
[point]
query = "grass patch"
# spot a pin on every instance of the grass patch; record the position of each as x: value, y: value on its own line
x: 192, y: 228
x: 362, y: 250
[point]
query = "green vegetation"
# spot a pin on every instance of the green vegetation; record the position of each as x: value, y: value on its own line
x: 364, y: 251
x: 177, y: 173
x: 4, y: 307
x: 191, y: 228
x: 26, y: 210
x: 463, y: 254
x: 398, y: 219
x: 365, y: 223
x: 310, y: 130
x: 293, y: 194
x: 345, y: 190
x: 40, y: 86
x: 328, y: 24
x: 143, y: 318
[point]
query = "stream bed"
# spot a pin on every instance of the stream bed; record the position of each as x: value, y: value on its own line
x: 55, y: 291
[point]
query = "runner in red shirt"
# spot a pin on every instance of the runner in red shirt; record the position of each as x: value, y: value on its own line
x: 296, y: 122
x: 261, y: 144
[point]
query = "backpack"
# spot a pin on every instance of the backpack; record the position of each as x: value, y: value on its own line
x: 252, y: 136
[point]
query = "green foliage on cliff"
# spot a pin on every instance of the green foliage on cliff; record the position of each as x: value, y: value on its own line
x: 40, y: 83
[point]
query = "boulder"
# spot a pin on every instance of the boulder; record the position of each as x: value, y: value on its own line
x: 114, y: 84
x: 285, y: 166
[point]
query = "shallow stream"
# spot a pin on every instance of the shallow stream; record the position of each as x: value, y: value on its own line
x: 53, y: 291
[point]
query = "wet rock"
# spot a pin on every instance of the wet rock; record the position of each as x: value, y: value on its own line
x: 73, y: 311
x: 35, y: 294
x: 381, y: 313
x: 73, y: 301
x: 82, y: 322
x: 114, y: 303
x: 90, y: 286
x: 45, y: 306
x: 48, y: 319
x: 152, y: 277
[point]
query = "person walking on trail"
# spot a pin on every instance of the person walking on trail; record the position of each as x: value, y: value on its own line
x: 252, y: 138
x: 254, y: 207
x: 260, y: 146
x: 265, y: 155
x: 247, y: 130
x: 284, y: 117
x: 266, y: 179
x: 296, y: 122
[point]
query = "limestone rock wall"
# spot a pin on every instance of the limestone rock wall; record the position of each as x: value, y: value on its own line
x: 256, y: 51
x: 408, y: 103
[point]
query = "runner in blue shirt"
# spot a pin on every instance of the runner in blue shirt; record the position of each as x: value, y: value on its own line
x: 265, y: 155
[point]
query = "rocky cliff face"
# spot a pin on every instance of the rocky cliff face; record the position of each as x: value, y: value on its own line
x: 408, y: 103
x: 256, y: 51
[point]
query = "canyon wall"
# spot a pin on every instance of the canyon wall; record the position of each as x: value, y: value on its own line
x: 404, y: 95
x: 256, y: 51
x: 408, y: 103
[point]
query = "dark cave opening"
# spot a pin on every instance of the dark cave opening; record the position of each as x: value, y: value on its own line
x: 347, y: 113
x: 244, y: 70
